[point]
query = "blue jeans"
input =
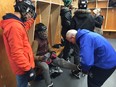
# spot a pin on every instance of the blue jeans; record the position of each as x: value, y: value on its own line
x: 22, y: 80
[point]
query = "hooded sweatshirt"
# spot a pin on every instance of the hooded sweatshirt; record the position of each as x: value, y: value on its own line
x: 16, y: 42
x: 95, y: 50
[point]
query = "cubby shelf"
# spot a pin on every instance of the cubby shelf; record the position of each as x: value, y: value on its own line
x: 49, y: 14
x: 45, y: 1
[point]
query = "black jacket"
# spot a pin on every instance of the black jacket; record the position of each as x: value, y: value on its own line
x: 83, y: 19
x: 66, y: 17
x: 98, y: 21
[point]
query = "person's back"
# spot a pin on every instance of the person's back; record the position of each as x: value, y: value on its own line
x: 66, y: 16
x: 82, y: 17
x: 99, y: 50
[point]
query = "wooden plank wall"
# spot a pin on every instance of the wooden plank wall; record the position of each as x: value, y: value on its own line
x: 7, y: 78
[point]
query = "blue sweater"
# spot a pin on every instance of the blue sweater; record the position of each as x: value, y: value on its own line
x: 95, y: 50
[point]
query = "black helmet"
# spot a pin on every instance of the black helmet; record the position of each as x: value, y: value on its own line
x: 40, y: 27
x: 40, y: 31
x: 82, y: 4
x: 24, y: 7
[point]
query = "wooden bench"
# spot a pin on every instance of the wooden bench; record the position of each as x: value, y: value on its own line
x: 58, y: 50
x: 109, y: 30
x: 109, y: 33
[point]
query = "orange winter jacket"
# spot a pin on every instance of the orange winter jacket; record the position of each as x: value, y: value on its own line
x: 17, y: 45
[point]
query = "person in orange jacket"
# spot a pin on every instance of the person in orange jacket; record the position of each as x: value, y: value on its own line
x: 18, y: 48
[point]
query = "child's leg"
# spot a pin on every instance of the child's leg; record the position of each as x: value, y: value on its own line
x: 64, y: 64
x: 45, y: 72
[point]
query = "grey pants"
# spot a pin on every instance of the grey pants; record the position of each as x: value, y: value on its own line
x: 58, y: 62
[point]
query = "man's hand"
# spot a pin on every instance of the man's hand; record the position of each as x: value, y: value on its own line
x: 31, y: 74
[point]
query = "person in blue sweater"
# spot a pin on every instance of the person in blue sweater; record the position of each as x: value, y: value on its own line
x: 98, y: 57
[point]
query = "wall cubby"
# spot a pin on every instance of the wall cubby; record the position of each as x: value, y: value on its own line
x: 111, y: 19
x: 109, y: 16
x: 55, y: 12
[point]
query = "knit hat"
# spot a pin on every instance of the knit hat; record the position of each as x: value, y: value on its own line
x: 67, y: 2
x: 82, y: 4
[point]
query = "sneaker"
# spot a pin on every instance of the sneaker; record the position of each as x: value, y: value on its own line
x: 51, y: 85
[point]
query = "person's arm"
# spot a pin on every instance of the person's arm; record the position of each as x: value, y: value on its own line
x: 15, y: 41
x: 99, y: 21
x: 73, y: 23
x: 30, y: 20
x: 28, y: 23
x: 87, y: 54
x: 34, y: 48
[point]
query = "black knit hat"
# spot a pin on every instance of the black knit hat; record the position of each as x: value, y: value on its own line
x: 40, y: 27
x: 82, y: 4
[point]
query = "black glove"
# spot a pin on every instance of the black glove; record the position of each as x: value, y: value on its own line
x: 53, y: 55
x: 31, y: 74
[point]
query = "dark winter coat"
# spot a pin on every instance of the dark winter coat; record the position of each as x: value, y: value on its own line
x: 66, y: 17
x: 83, y: 19
x: 98, y: 21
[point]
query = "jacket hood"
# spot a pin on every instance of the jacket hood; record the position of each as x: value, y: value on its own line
x: 9, y: 18
x: 82, y: 13
x: 80, y: 33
